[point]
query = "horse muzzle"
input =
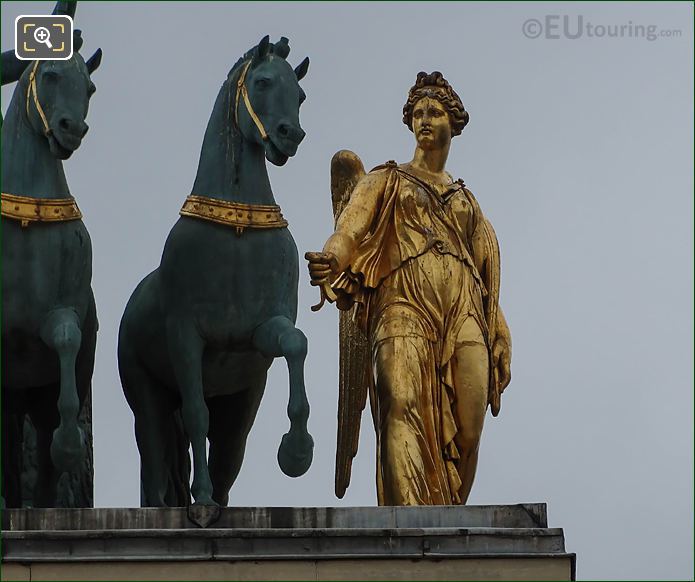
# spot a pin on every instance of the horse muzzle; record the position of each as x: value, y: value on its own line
x: 65, y: 137
x: 287, y: 137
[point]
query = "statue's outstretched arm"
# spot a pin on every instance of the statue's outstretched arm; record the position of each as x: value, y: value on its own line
x: 352, y: 226
x: 356, y: 218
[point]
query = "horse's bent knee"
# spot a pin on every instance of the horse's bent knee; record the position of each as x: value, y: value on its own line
x: 278, y: 337
x: 61, y: 331
x: 294, y: 344
x: 67, y: 338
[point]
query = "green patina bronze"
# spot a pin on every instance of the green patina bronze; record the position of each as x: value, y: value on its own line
x: 48, y: 313
x: 200, y: 332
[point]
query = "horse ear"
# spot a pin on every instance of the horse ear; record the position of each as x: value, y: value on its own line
x: 262, y: 50
x: 76, y: 40
x: 282, y: 48
x: 301, y: 69
x: 94, y: 61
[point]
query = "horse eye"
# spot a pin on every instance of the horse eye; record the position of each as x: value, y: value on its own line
x: 92, y: 88
x: 262, y: 83
x: 50, y: 75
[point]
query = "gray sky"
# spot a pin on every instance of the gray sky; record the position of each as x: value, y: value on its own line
x: 580, y: 152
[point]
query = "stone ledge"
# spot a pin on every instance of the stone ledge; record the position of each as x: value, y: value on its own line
x: 521, y: 515
x: 509, y: 542
x: 275, y: 544
x: 556, y: 567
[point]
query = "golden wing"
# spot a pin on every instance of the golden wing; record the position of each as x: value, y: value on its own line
x: 346, y: 170
x: 491, y: 278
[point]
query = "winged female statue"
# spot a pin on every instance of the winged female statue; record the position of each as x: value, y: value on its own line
x: 414, y: 267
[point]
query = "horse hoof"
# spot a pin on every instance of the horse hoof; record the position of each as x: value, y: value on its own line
x: 67, y: 449
x: 296, y: 453
x: 203, y: 514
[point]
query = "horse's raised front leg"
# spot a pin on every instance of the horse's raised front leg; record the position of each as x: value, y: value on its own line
x: 275, y: 338
x: 186, y: 352
x: 61, y: 332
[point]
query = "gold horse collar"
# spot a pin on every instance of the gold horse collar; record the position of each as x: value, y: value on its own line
x: 28, y: 210
x: 234, y: 214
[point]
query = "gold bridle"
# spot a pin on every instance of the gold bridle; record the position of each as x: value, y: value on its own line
x: 32, y: 91
x: 243, y: 92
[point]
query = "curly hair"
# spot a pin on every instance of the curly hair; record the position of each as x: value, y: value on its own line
x: 437, y: 87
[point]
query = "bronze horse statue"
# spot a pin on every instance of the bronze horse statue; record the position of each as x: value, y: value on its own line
x: 200, y: 332
x: 49, y: 319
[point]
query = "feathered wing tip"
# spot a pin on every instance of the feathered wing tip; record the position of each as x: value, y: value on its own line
x: 352, y: 396
x: 491, y: 279
x: 346, y: 170
x: 353, y: 383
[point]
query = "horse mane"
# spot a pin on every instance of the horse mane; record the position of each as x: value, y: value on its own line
x: 280, y: 49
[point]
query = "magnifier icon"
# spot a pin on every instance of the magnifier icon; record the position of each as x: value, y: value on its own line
x: 42, y: 35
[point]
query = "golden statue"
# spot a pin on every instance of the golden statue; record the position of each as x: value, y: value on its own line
x: 414, y: 265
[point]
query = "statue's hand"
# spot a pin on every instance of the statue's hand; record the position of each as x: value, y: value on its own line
x: 323, y: 268
x: 501, y: 360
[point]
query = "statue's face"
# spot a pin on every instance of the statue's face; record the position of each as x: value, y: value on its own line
x: 431, y: 124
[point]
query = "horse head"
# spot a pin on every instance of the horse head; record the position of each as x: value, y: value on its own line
x: 57, y: 97
x: 266, y: 97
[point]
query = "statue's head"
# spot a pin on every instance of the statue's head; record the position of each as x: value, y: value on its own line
x: 433, y: 111
x: 56, y: 95
x: 274, y: 97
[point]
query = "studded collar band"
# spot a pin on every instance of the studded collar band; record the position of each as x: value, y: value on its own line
x: 28, y: 210
x: 236, y: 214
